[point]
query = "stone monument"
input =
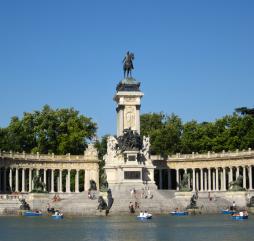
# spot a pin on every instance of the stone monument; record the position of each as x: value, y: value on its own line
x: 127, y: 162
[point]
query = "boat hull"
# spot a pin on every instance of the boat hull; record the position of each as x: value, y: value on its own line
x: 31, y: 214
x: 228, y: 212
x: 239, y: 217
x: 179, y: 213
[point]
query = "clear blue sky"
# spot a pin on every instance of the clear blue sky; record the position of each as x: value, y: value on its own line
x: 193, y: 58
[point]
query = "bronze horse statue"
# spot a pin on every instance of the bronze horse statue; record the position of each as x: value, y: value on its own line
x: 128, y: 64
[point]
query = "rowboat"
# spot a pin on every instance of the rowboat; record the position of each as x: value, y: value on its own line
x: 32, y: 213
x: 227, y: 211
x: 178, y: 213
x: 144, y: 216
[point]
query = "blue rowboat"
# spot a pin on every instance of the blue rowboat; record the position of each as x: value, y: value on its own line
x: 177, y: 213
x: 32, y: 214
x: 237, y: 217
x: 228, y: 211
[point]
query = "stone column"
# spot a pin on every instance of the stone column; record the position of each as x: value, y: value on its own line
x: 213, y: 178
x: 169, y: 179
x: 209, y: 179
x: 120, y: 124
x: 244, y: 177
x: 230, y: 174
x: 201, y: 180
x: 160, y: 177
x: 17, y: 180
x: 205, y: 173
x: 10, y: 179
x: 217, y: 179
x: 237, y: 172
x: 4, y: 181
x: 45, y: 178
x: 68, y: 188
x: 224, y: 179
x: 23, y: 180
x: 194, y: 179
x: 77, y: 181
x: 250, y: 178
x: 197, y: 181
x: 60, y: 180
x: 52, y: 180
x: 30, y: 180
x: 177, y: 179
x: 138, y: 118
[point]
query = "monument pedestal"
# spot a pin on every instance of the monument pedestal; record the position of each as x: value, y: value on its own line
x: 127, y: 162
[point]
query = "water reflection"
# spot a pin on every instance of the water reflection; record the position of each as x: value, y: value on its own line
x: 192, y: 228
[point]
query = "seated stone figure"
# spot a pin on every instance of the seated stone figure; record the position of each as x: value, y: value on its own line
x: 24, y: 205
x: 237, y: 185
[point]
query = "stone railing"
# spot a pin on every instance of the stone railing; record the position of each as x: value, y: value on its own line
x: 209, y: 155
x: 45, y: 157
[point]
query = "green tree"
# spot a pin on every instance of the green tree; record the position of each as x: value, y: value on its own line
x: 57, y: 131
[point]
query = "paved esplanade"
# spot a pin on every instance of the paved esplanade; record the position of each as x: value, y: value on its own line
x: 18, y: 169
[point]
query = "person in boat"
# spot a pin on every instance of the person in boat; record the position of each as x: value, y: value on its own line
x: 145, y: 214
x: 141, y: 214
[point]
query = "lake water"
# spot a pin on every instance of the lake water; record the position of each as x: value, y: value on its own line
x: 191, y: 228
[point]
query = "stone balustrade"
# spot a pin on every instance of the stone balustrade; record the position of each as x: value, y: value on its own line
x: 210, y: 155
x: 46, y: 157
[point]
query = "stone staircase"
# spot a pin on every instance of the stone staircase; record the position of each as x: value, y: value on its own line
x: 161, y: 202
x: 213, y: 206
x: 9, y: 206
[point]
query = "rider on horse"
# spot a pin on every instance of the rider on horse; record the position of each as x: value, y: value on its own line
x: 128, y: 64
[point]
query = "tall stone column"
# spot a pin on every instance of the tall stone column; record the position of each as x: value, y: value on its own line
x: 217, y: 179
x: 244, y: 177
x: 45, y: 178
x: 177, y: 180
x: 197, y: 181
x: 30, y: 180
x: 10, y: 179
x: 23, y: 180
x: 87, y: 180
x: 160, y: 176
x: 68, y: 186
x: 230, y: 174
x: 209, y: 179
x: 194, y: 179
x: 52, y: 180
x: 138, y: 118
x: 205, y: 173
x: 60, y: 180
x: 4, y: 181
x: 120, y: 123
x: 201, y: 180
x: 224, y: 179
x: 77, y: 181
x: 213, y: 178
x: 237, y: 172
x: 169, y: 179
x: 250, y: 178
x: 17, y: 180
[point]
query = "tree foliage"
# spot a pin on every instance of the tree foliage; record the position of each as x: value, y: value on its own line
x: 57, y: 131
x: 170, y: 135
